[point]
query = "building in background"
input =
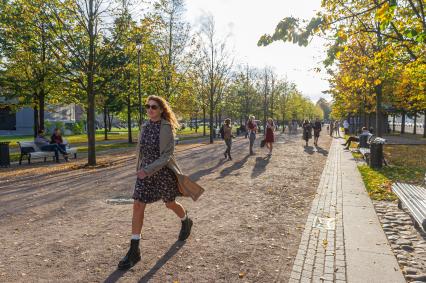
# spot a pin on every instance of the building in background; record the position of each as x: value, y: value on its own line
x: 21, y: 121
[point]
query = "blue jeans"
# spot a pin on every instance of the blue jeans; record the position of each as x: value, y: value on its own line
x: 56, y: 148
x: 252, y: 138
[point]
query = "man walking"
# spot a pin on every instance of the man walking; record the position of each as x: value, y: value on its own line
x: 252, y: 130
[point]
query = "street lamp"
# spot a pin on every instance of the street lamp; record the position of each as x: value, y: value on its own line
x: 139, y: 48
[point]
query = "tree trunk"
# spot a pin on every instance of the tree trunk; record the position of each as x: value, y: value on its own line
x: 393, y: 123
x: 424, y: 124
x: 129, y: 120
x: 211, y: 117
x: 403, y: 123
x: 196, y: 122
x: 265, y: 104
x: 204, y: 121
x: 110, y: 119
x: 91, y: 157
x: 379, y: 126
x: 415, y: 123
x: 105, y: 123
x: 41, y: 99
x: 36, y: 123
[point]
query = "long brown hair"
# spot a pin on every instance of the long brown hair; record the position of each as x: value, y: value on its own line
x: 167, y: 111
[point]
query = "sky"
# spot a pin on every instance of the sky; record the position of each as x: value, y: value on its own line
x: 246, y: 20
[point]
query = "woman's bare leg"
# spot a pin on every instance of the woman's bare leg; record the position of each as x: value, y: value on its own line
x: 138, y: 215
x: 177, y: 208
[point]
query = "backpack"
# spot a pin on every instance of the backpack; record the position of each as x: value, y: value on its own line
x: 222, y: 132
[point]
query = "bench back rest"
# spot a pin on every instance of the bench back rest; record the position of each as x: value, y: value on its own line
x: 28, y: 146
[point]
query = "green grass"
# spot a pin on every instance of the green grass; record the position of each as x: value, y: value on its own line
x: 407, y: 163
x: 71, y: 139
x: 83, y: 149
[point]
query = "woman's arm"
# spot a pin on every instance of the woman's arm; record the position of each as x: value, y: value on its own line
x: 166, y: 155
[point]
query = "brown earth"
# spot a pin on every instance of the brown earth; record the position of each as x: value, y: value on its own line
x: 57, y: 227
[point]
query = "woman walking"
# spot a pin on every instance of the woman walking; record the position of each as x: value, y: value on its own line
x: 307, y: 131
x: 227, y: 136
x: 158, y: 175
x: 317, y: 129
x: 269, y: 137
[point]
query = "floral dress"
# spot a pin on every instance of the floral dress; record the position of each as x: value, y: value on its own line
x: 163, y: 183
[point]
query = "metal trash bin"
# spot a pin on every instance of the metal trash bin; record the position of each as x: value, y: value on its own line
x: 4, y: 154
x: 376, y: 153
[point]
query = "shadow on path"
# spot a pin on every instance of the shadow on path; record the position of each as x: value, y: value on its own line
x: 260, y: 166
x: 237, y: 165
x: 163, y: 260
x: 197, y: 175
x: 322, y: 151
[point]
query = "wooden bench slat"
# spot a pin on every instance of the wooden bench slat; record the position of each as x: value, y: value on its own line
x: 414, y: 198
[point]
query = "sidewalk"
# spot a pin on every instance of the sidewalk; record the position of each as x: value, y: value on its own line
x: 343, y: 240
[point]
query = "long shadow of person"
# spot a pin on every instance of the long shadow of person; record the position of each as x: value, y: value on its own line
x: 260, y: 166
x: 322, y: 151
x: 197, y: 175
x: 163, y: 260
x: 115, y: 276
x: 237, y: 165
x: 309, y: 149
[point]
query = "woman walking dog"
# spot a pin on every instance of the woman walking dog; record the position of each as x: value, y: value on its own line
x: 158, y: 175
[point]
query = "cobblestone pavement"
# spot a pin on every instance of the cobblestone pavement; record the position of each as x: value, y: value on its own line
x: 408, y: 244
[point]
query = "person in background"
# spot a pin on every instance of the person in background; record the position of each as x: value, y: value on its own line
x: 251, y: 130
x: 269, y: 137
x: 364, y: 132
x: 44, y: 145
x: 337, y: 129
x: 56, y: 138
x: 307, y: 131
x: 346, y: 127
x: 317, y: 129
x: 227, y: 136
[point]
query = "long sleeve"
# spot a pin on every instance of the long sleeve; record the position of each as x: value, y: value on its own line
x: 167, y: 153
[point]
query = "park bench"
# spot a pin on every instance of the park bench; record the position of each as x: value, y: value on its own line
x: 30, y: 150
x: 414, y: 199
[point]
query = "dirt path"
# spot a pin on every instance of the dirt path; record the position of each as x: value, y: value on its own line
x: 57, y: 227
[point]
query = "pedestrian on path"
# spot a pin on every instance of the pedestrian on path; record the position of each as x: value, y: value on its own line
x: 346, y: 127
x: 269, y: 137
x: 337, y: 129
x: 158, y: 175
x: 227, y: 136
x: 317, y: 129
x: 252, y: 130
x: 307, y: 131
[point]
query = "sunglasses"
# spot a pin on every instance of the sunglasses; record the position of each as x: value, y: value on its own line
x: 153, y: 106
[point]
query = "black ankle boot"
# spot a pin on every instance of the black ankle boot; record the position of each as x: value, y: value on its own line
x: 185, y: 231
x: 132, y: 256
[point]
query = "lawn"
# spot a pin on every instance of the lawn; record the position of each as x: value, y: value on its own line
x: 406, y: 163
x: 115, y: 134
